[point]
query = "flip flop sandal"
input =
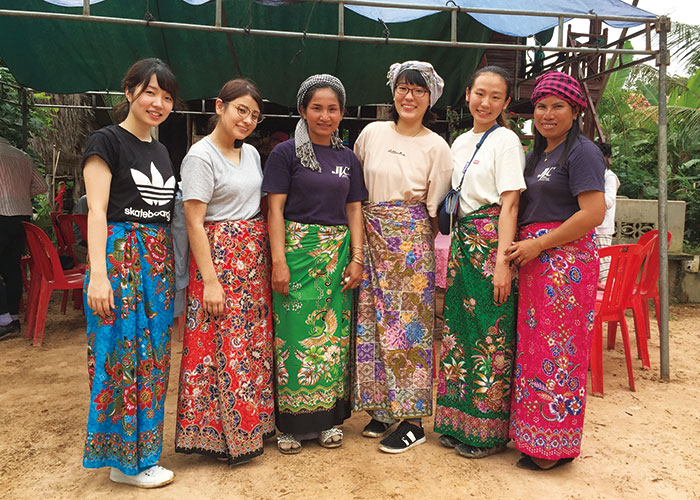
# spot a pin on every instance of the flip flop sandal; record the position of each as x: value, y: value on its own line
x: 326, y: 438
x: 449, y: 441
x: 528, y: 463
x: 288, y: 438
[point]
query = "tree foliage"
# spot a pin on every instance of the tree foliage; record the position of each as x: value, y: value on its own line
x: 629, y: 116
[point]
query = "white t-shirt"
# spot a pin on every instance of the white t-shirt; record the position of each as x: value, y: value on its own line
x: 231, y: 192
x: 497, y: 167
x: 612, y: 183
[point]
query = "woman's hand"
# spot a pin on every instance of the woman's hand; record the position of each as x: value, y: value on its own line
x: 213, y: 298
x: 280, y: 278
x: 501, y: 282
x: 522, y: 252
x: 352, y: 276
x: 100, y: 296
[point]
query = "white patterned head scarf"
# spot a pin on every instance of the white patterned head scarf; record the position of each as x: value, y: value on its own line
x: 302, y: 142
x: 432, y: 80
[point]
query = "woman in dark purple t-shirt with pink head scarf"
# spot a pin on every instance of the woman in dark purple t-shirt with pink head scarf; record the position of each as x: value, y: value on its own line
x: 558, y: 262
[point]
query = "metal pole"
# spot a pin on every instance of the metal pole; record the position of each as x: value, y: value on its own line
x: 341, y: 19
x: 663, y: 27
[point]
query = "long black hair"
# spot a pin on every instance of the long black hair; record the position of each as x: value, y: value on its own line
x: 413, y: 77
x: 540, y: 144
x: 502, y: 119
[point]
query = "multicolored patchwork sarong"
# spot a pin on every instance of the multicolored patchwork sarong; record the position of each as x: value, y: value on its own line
x: 476, y: 363
x: 226, y: 402
x: 312, y: 330
x: 394, y: 344
x: 129, y: 353
x: 554, y: 336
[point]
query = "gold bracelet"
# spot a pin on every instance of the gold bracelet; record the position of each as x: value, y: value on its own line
x: 357, y: 261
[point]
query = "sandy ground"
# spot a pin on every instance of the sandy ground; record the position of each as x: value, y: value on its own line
x: 636, y: 445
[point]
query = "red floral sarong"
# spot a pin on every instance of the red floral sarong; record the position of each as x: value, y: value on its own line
x: 226, y: 403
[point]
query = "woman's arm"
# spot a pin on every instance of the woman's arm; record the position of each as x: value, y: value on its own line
x: 353, y: 271
x: 275, y: 225
x: 98, y: 178
x: 213, y: 297
x: 590, y: 214
x: 507, y: 224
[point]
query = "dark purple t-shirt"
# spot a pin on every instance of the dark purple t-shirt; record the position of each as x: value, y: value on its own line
x: 552, y: 189
x: 313, y: 197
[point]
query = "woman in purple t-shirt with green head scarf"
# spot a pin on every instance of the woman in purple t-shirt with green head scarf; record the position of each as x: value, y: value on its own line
x: 558, y: 262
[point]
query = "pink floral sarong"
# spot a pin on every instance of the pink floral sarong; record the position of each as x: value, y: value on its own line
x: 554, y: 335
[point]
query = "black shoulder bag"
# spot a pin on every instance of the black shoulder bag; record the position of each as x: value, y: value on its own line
x: 447, y: 210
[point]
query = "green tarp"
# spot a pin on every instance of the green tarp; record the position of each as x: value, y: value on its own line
x: 63, y: 56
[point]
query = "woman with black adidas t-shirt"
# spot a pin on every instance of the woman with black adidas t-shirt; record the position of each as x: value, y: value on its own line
x: 129, y: 285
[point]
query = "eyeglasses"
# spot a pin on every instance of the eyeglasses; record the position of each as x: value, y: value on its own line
x: 244, y: 112
x: 417, y: 92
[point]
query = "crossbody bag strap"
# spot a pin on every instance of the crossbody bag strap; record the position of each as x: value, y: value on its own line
x: 481, y: 141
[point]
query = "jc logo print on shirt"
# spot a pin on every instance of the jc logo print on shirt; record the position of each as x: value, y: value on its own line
x: 546, y: 174
x: 342, y: 172
x: 154, y: 191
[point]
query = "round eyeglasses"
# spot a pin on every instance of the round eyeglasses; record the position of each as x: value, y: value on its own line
x: 244, y: 112
x: 417, y: 92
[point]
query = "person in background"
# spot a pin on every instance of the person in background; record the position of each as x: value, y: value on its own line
x: 226, y: 402
x: 315, y: 188
x: 19, y: 182
x: 129, y: 284
x: 558, y: 259
x: 407, y: 170
x: 604, y: 232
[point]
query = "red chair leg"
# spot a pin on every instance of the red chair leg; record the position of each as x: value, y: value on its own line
x: 32, y: 306
x: 41, y: 311
x: 596, y: 361
x: 641, y: 334
x: 658, y: 316
x: 628, y: 354
x: 612, y: 333
x: 78, y: 298
x: 64, y: 302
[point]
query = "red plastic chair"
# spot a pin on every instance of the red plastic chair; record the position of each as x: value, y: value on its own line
x: 81, y: 221
x: 610, y: 307
x: 649, y: 283
x: 60, y: 243
x: 48, y: 276
x: 65, y: 227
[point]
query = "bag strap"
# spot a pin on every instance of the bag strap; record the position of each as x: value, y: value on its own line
x: 476, y: 150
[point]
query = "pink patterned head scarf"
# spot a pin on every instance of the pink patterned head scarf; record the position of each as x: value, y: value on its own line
x: 432, y: 80
x: 561, y: 85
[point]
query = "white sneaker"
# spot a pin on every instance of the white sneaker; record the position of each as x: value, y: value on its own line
x: 153, y: 477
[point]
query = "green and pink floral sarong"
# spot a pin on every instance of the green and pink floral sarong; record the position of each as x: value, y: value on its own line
x: 312, y: 330
x: 474, y: 381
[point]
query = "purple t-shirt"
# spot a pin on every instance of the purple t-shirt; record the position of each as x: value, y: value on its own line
x: 552, y: 189
x: 313, y: 197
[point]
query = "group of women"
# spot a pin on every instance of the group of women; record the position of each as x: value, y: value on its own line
x: 272, y: 337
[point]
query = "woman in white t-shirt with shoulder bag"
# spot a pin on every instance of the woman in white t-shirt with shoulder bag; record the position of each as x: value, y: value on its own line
x: 476, y: 362
x: 225, y: 402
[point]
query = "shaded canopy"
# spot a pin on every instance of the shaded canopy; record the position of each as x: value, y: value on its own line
x: 67, y: 56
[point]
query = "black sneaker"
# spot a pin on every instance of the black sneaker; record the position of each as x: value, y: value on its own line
x: 9, y: 329
x: 375, y: 429
x: 405, y: 437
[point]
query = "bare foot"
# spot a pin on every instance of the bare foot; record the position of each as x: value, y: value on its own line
x: 543, y: 463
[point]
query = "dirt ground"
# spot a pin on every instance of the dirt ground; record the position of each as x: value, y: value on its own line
x: 636, y: 445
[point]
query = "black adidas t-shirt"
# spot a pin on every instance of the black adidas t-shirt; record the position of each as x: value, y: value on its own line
x: 143, y: 184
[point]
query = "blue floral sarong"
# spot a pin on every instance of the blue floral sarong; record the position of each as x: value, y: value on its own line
x: 129, y: 353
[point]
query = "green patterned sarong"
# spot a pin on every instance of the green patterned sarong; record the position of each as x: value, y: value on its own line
x: 476, y: 362
x: 312, y: 330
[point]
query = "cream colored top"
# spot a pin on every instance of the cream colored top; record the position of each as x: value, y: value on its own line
x: 497, y: 167
x: 402, y: 168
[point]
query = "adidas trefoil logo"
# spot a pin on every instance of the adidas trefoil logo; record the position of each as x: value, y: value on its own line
x: 154, y: 191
